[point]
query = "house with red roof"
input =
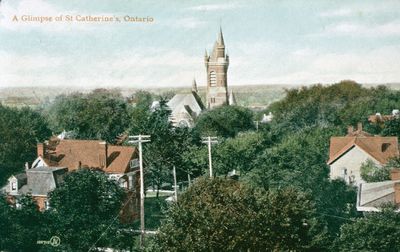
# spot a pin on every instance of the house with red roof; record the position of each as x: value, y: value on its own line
x: 119, y: 163
x: 348, y: 153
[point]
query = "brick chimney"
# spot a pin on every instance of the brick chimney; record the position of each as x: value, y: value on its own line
x: 359, y: 127
x: 350, y: 130
x: 41, y: 149
x: 397, y: 193
x: 103, y: 153
x: 395, y: 174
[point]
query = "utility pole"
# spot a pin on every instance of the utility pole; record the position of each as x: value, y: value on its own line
x: 256, y: 122
x: 210, y: 140
x: 175, y: 186
x: 141, y: 139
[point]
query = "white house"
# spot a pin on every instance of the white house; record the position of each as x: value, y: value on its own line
x: 348, y: 153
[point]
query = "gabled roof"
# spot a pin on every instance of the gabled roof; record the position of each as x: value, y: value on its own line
x: 87, y: 153
x: 43, y: 180
x: 179, y: 102
x: 380, y: 148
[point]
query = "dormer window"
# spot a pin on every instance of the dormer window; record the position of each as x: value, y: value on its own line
x: 385, y: 146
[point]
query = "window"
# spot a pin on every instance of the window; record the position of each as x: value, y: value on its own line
x: 134, y: 163
x: 46, y: 205
x: 344, y: 173
x: 213, y: 79
x: 13, y: 186
x: 213, y: 100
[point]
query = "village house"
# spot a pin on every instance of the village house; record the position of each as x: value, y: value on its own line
x: 372, y: 196
x: 348, y: 153
x: 118, y: 162
x: 57, y: 156
x: 38, y: 182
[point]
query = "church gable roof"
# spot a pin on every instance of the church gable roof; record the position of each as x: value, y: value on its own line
x: 179, y: 102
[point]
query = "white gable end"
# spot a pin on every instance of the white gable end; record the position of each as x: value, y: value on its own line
x: 348, y: 166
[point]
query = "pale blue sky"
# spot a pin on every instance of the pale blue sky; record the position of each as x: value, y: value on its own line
x: 269, y: 42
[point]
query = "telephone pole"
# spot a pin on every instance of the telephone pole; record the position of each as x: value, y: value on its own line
x: 256, y: 123
x: 139, y: 140
x: 209, y: 141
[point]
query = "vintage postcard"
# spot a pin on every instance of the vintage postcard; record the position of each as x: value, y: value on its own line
x: 204, y: 125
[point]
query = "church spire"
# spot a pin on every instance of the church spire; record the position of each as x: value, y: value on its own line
x: 220, y: 40
x: 232, y: 98
x: 194, y: 86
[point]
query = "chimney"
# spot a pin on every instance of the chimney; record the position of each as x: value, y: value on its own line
x: 359, y: 127
x: 103, y: 149
x: 397, y: 193
x: 350, y: 130
x: 395, y: 174
x: 26, y: 166
x: 41, y: 149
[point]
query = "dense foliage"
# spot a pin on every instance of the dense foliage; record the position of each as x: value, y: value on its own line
x: 342, y: 104
x: 225, y: 121
x: 101, y: 114
x: 20, y: 130
x: 374, y: 232
x: 225, y: 215
x: 371, y: 172
x: 21, y: 228
x: 85, y: 210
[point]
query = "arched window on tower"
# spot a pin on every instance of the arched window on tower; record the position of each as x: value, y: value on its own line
x: 213, y: 79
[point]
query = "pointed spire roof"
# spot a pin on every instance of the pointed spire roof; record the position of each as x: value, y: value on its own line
x: 232, y: 99
x: 194, y: 86
x: 220, y: 39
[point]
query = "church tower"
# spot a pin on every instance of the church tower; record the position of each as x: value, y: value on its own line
x: 217, y: 80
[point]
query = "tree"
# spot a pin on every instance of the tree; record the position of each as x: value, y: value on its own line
x: 341, y: 104
x: 166, y: 146
x: 20, y: 130
x: 299, y: 161
x: 21, y: 228
x: 225, y: 121
x: 85, y: 210
x: 392, y: 128
x: 375, y: 232
x: 371, y: 172
x: 225, y: 215
x: 239, y: 153
x: 101, y: 114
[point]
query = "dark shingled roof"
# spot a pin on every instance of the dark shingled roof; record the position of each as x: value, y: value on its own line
x: 43, y: 180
